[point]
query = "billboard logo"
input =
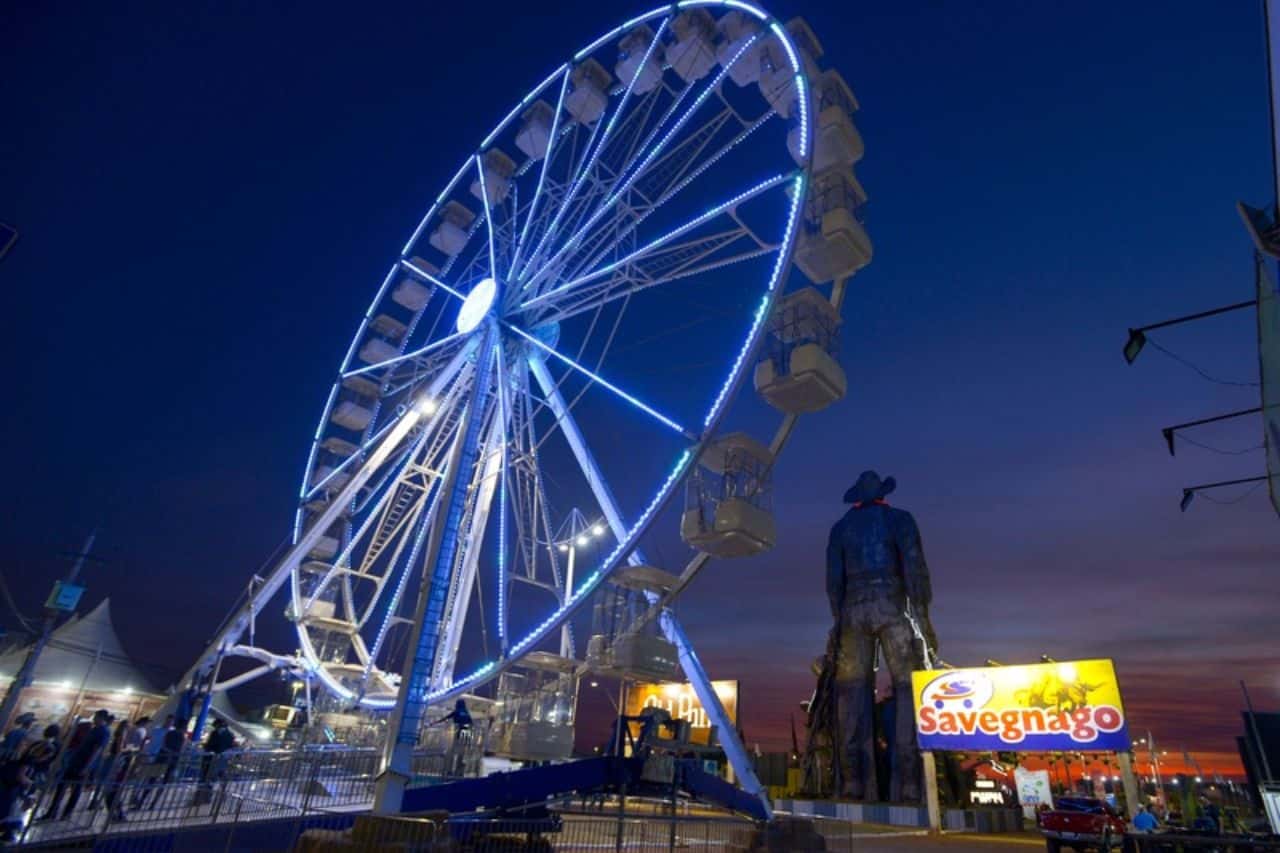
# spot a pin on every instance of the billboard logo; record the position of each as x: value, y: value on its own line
x: 1040, y: 707
x: 955, y: 691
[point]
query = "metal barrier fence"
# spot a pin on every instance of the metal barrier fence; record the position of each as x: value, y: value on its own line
x: 1178, y: 842
x: 331, y: 832
x: 200, y: 789
x: 271, y: 799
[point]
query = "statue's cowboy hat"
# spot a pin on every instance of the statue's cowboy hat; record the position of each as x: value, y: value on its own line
x: 869, y: 488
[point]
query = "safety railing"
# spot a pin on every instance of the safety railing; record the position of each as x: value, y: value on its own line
x: 124, y: 795
x: 321, y: 830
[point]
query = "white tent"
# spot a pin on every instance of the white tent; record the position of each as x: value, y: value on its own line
x: 84, y: 650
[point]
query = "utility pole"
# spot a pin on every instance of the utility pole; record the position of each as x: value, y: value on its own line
x: 64, y: 598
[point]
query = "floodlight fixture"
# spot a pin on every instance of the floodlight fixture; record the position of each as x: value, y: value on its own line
x: 1189, y: 492
x: 1138, y: 337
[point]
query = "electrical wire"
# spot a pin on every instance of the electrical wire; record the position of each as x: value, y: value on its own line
x: 1237, y: 499
x: 13, y: 607
x: 1203, y: 375
x: 1213, y: 449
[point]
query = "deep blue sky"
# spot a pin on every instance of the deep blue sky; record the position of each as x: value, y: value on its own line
x: 208, y: 194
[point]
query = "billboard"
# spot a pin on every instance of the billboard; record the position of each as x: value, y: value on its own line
x: 1044, y: 707
x: 1269, y: 369
x: 682, y: 703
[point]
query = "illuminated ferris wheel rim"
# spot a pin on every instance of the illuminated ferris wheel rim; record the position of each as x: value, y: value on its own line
x: 490, y: 303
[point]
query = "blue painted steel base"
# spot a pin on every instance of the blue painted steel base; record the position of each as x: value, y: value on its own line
x: 607, y: 774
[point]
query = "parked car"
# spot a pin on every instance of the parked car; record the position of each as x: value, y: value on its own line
x: 1081, y: 823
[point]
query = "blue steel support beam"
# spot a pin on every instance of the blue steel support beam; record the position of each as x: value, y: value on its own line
x: 411, y: 705
x: 734, y: 749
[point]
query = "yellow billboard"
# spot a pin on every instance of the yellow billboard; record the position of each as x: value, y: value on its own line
x: 682, y: 703
x: 1043, y: 707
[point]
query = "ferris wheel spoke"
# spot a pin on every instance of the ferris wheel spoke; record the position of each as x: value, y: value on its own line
x: 589, y: 162
x: 604, y: 383
x: 488, y: 217
x: 653, y: 153
x: 416, y: 356
x: 610, y: 191
x: 582, y: 453
x: 552, y: 139
x: 664, y: 242
x: 565, y: 201
x: 681, y: 176
x: 687, y: 261
x: 430, y: 279
x: 663, y: 175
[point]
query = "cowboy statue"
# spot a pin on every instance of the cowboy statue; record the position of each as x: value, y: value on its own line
x: 878, y: 586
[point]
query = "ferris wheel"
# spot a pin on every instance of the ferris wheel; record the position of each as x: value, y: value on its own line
x: 566, y: 327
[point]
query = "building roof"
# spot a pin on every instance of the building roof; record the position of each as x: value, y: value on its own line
x: 83, y: 646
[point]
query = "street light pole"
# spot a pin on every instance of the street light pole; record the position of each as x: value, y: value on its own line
x: 1138, y: 338
x: 26, y: 674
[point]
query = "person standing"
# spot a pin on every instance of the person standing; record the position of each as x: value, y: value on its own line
x: 1144, y: 820
x: 106, y: 764
x: 157, y: 756
x: 11, y: 746
x: 20, y: 777
x: 212, y: 766
x: 135, y: 740
x: 79, y: 761
x: 461, y: 719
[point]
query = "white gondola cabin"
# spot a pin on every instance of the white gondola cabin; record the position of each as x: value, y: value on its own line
x: 537, y: 699
x: 837, y: 141
x: 352, y: 415
x: 631, y: 53
x: 411, y: 294
x: 534, y: 136
x: 326, y: 548
x: 737, y: 39
x: 498, y: 169
x: 644, y: 654
x: 692, y: 54
x: 777, y: 77
x: 832, y: 243
x: 451, y: 234
x: 728, y: 509
x: 799, y: 372
x: 589, y: 95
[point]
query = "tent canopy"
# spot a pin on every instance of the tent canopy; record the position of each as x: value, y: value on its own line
x: 83, y: 645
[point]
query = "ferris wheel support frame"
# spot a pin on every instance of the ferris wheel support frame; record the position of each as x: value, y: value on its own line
x: 225, y: 640
x: 415, y: 681
x: 735, y: 751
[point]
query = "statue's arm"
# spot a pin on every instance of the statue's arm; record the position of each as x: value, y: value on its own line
x: 915, y: 571
x: 835, y: 573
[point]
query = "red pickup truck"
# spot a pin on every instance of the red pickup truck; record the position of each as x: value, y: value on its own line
x: 1081, y: 823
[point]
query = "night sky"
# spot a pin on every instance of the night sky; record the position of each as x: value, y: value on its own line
x: 209, y: 193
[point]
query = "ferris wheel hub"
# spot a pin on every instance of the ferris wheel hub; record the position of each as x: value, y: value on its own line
x: 477, y: 304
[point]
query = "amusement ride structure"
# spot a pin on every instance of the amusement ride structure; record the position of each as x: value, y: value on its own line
x: 566, y: 327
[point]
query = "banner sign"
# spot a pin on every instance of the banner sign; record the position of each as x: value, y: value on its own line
x: 65, y: 596
x: 682, y: 703
x: 1044, y: 707
x: 1033, y: 790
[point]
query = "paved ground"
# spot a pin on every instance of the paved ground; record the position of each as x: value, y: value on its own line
x: 951, y: 843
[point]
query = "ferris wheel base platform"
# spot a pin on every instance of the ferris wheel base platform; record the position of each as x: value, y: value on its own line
x: 608, y: 774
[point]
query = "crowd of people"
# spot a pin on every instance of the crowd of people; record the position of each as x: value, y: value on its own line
x: 121, y: 770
